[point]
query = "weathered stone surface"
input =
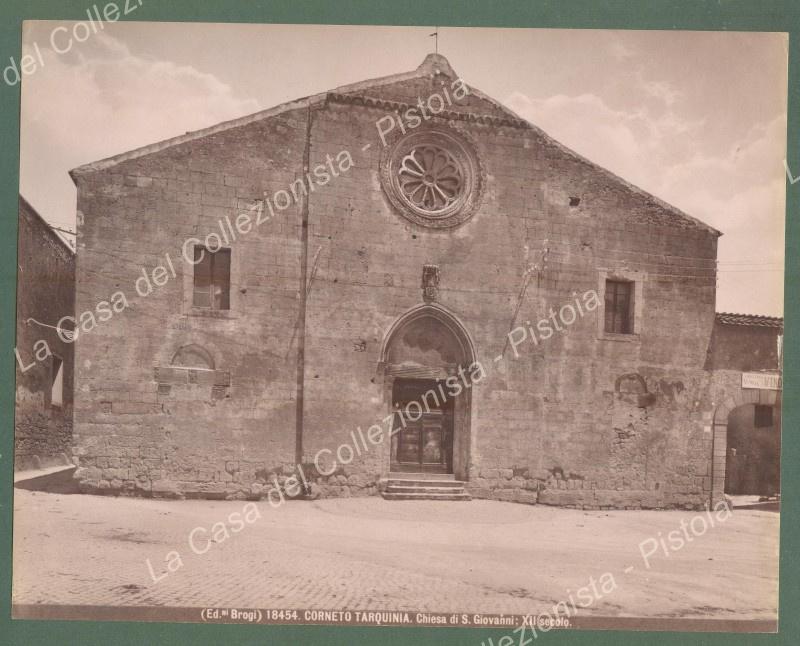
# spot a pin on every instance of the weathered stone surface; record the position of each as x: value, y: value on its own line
x: 45, y: 293
x: 547, y: 415
x: 562, y: 497
x: 166, y: 489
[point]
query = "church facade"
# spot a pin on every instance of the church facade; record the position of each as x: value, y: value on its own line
x: 395, y: 277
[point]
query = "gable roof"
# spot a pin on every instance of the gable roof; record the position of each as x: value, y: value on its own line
x: 433, y: 65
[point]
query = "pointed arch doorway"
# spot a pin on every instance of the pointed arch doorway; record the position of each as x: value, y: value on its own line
x: 425, y: 363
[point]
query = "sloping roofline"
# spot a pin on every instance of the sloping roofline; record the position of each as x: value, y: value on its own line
x: 24, y: 204
x: 432, y: 65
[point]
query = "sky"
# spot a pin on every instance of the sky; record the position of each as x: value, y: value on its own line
x: 695, y: 118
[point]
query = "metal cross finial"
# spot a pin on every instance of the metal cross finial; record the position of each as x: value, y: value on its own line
x: 435, y: 35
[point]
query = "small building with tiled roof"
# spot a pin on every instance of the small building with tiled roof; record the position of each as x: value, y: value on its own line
x: 745, y: 360
x: 745, y: 342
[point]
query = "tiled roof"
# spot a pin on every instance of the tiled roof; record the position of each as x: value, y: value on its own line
x: 729, y: 318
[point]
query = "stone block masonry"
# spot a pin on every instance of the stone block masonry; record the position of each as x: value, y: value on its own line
x: 45, y: 292
x: 584, y: 418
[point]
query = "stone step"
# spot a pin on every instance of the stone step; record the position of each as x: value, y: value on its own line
x: 426, y: 496
x: 398, y: 488
x: 413, y: 475
x: 452, y: 484
x: 424, y: 486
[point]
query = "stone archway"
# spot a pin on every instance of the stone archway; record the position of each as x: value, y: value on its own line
x: 743, y: 397
x: 425, y: 357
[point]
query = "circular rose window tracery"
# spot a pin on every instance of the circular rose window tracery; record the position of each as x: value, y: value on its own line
x: 432, y: 177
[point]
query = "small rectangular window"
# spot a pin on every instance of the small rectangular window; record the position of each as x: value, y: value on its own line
x: 212, y: 278
x: 762, y: 417
x: 619, y: 307
x: 57, y: 383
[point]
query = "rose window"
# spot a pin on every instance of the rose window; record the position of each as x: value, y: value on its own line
x: 430, y: 178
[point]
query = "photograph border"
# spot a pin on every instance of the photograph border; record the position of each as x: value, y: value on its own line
x: 696, y: 15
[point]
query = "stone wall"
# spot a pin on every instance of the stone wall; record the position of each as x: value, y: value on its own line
x: 143, y: 425
x: 548, y: 421
x: 45, y: 292
x: 744, y: 347
x: 553, y: 409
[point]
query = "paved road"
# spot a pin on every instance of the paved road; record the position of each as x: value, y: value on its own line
x: 372, y: 554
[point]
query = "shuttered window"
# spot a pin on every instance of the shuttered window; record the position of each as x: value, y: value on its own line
x: 762, y: 416
x: 212, y: 279
x: 619, y: 307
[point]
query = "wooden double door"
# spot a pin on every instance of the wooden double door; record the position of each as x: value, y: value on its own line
x: 422, y: 441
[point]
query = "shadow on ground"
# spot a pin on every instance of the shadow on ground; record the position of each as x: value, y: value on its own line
x: 53, y: 480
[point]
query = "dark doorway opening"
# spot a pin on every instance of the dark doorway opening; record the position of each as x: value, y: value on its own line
x: 752, y: 464
x: 422, y: 441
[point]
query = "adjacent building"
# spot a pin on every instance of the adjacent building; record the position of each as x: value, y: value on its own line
x: 45, y: 294
x: 745, y: 358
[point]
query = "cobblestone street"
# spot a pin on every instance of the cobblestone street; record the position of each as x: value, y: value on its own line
x: 373, y: 554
